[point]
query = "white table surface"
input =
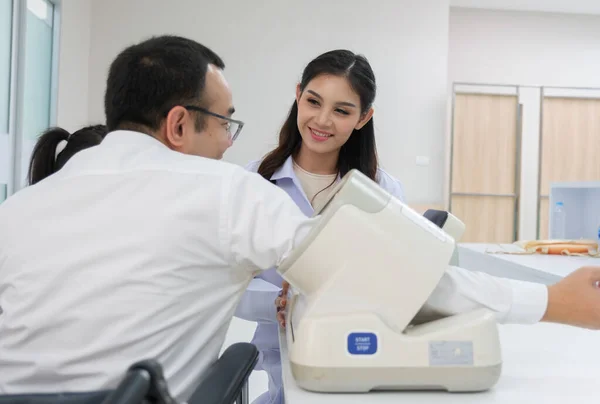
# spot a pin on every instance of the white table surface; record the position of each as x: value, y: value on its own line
x: 535, y: 267
x: 543, y: 363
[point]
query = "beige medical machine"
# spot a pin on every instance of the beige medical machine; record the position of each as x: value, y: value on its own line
x: 362, y: 275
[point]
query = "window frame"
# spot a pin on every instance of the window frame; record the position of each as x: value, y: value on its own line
x: 17, y: 87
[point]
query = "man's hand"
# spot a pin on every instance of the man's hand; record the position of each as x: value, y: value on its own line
x: 575, y: 300
x: 281, y: 302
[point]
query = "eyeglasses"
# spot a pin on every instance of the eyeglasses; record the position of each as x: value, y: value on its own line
x: 233, y: 127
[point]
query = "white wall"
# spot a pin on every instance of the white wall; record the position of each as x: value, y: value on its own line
x: 526, y: 49
x: 536, y: 49
x: 73, y: 64
x: 266, y: 45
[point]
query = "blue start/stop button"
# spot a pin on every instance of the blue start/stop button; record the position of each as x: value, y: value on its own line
x: 362, y: 343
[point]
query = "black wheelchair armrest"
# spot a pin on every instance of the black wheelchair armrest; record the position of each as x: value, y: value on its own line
x: 143, y: 383
x: 224, y: 381
x: 132, y: 389
x: 50, y: 398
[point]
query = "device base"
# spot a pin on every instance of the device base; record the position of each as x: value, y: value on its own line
x: 364, y: 379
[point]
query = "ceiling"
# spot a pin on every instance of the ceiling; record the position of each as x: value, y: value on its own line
x: 555, y: 6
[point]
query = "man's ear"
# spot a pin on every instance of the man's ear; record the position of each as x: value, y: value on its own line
x: 174, y: 124
x: 366, y: 117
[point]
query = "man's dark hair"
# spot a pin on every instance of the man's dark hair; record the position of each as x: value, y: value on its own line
x: 148, y: 79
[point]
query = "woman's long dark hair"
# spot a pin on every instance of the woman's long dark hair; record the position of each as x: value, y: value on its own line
x: 360, y: 151
x: 45, y: 161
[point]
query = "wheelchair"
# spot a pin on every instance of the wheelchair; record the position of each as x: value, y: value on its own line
x: 225, y: 382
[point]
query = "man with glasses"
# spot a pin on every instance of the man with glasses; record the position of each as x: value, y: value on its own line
x: 141, y: 247
x: 233, y: 126
x: 209, y: 106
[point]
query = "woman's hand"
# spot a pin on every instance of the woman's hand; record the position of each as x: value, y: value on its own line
x: 281, y: 302
x: 575, y: 300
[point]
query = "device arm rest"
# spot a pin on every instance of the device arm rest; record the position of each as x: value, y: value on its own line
x: 447, y: 222
x: 226, y: 380
x: 437, y: 217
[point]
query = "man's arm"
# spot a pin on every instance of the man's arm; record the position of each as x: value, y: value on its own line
x: 461, y: 290
x: 574, y: 300
x: 262, y: 224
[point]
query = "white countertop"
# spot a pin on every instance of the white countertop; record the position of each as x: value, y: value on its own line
x: 559, y: 265
x: 534, y: 267
x: 543, y: 363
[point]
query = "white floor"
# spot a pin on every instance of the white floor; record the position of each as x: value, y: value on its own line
x: 242, y: 331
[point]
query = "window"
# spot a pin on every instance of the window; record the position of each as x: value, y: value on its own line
x: 37, y: 78
x: 5, y: 60
x: 27, y: 65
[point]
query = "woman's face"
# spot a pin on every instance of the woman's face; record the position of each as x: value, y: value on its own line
x: 328, y: 112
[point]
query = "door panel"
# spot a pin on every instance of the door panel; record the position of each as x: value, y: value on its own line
x: 570, y: 146
x: 485, y: 166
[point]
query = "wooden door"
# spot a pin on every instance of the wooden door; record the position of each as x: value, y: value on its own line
x: 485, y: 166
x: 570, y: 147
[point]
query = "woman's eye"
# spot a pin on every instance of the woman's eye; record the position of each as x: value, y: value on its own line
x: 341, y: 111
x: 313, y: 101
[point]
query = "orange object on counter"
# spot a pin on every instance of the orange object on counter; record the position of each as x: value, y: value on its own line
x: 560, y: 247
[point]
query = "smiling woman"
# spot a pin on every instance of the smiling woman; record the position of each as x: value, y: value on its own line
x: 329, y: 129
x: 328, y: 132
x: 329, y: 112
